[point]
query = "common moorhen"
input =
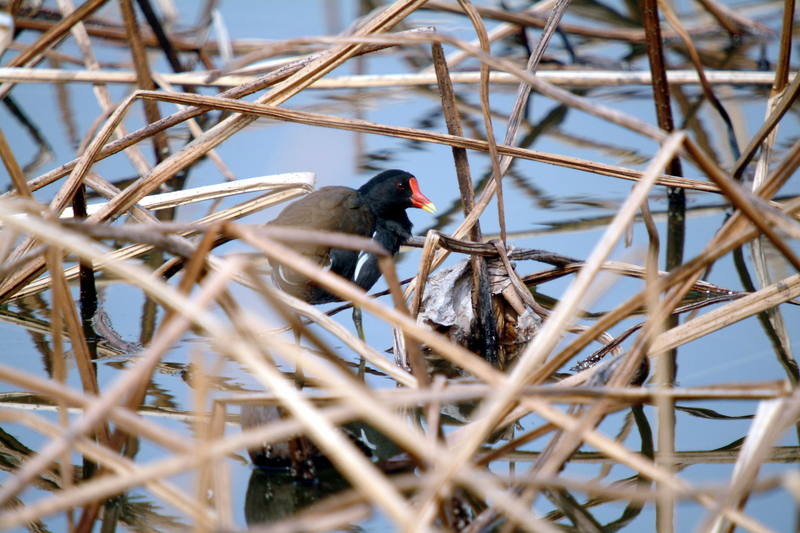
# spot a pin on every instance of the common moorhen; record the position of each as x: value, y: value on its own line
x: 377, y: 209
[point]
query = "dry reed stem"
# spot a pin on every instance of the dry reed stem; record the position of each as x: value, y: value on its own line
x: 13, y: 168
x: 728, y: 17
x: 361, y: 400
x: 367, y: 408
x: 454, y: 393
x: 201, y: 428
x: 112, y: 460
x: 550, y: 334
x: 617, y: 267
x: 565, y: 78
x: 59, y: 375
x: 91, y: 251
x: 168, y: 200
x: 101, y: 92
x: 210, y: 139
x: 524, y: 89
x: 196, y: 131
x: 453, y: 122
x: 351, y: 292
x: 50, y: 38
x: 501, y: 31
x: 742, y: 200
x: 479, y: 292
x: 222, y: 487
x: 63, y: 308
x: 539, y: 21
x: 773, y: 318
x: 412, y: 349
x: 494, y: 156
x: 665, y: 406
x: 782, y: 73
x: 764, y: 430
x: 694, y: 55
x: 431, y: 243
x: 121, y: 416
x: 144, y: 80
x: 135, y: 250
x: 763, y: 299
x: 733, y: 232
x: 362, y: 349
x: 787, y: 99
x: 336, y: 446
x: 238, y: 66
x: 363, y: 126
x: 778, y: 455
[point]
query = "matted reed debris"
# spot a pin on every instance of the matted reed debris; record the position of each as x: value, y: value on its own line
x: 499, y: 408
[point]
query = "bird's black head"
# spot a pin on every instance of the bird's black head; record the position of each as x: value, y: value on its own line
x: 392, y: 191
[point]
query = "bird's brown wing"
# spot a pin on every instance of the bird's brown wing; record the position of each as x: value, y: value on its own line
x: 336, y: 209
x: 328, y: 209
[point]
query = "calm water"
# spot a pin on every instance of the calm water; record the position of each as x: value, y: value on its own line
x: 547, y: 207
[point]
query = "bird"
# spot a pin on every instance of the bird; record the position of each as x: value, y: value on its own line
x: 377, y: 209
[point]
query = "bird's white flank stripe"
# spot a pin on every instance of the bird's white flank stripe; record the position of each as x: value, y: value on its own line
x: 362, y: 259
x: 283, y: 277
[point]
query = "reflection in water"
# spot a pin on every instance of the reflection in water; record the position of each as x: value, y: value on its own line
x: 293, y: 474
x: 274, y: 494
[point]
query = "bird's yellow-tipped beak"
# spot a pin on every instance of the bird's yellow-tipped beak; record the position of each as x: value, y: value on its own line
x: 420, y: 200
x: 429, y: 207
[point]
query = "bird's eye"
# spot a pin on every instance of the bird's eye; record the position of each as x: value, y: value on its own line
x: 399, y: 186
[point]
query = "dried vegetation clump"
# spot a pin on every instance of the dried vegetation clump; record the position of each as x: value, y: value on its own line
x: 474, y: 344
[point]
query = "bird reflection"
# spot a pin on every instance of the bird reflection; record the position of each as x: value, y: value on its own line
x: 291, y: 475
x: 276, y: 494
